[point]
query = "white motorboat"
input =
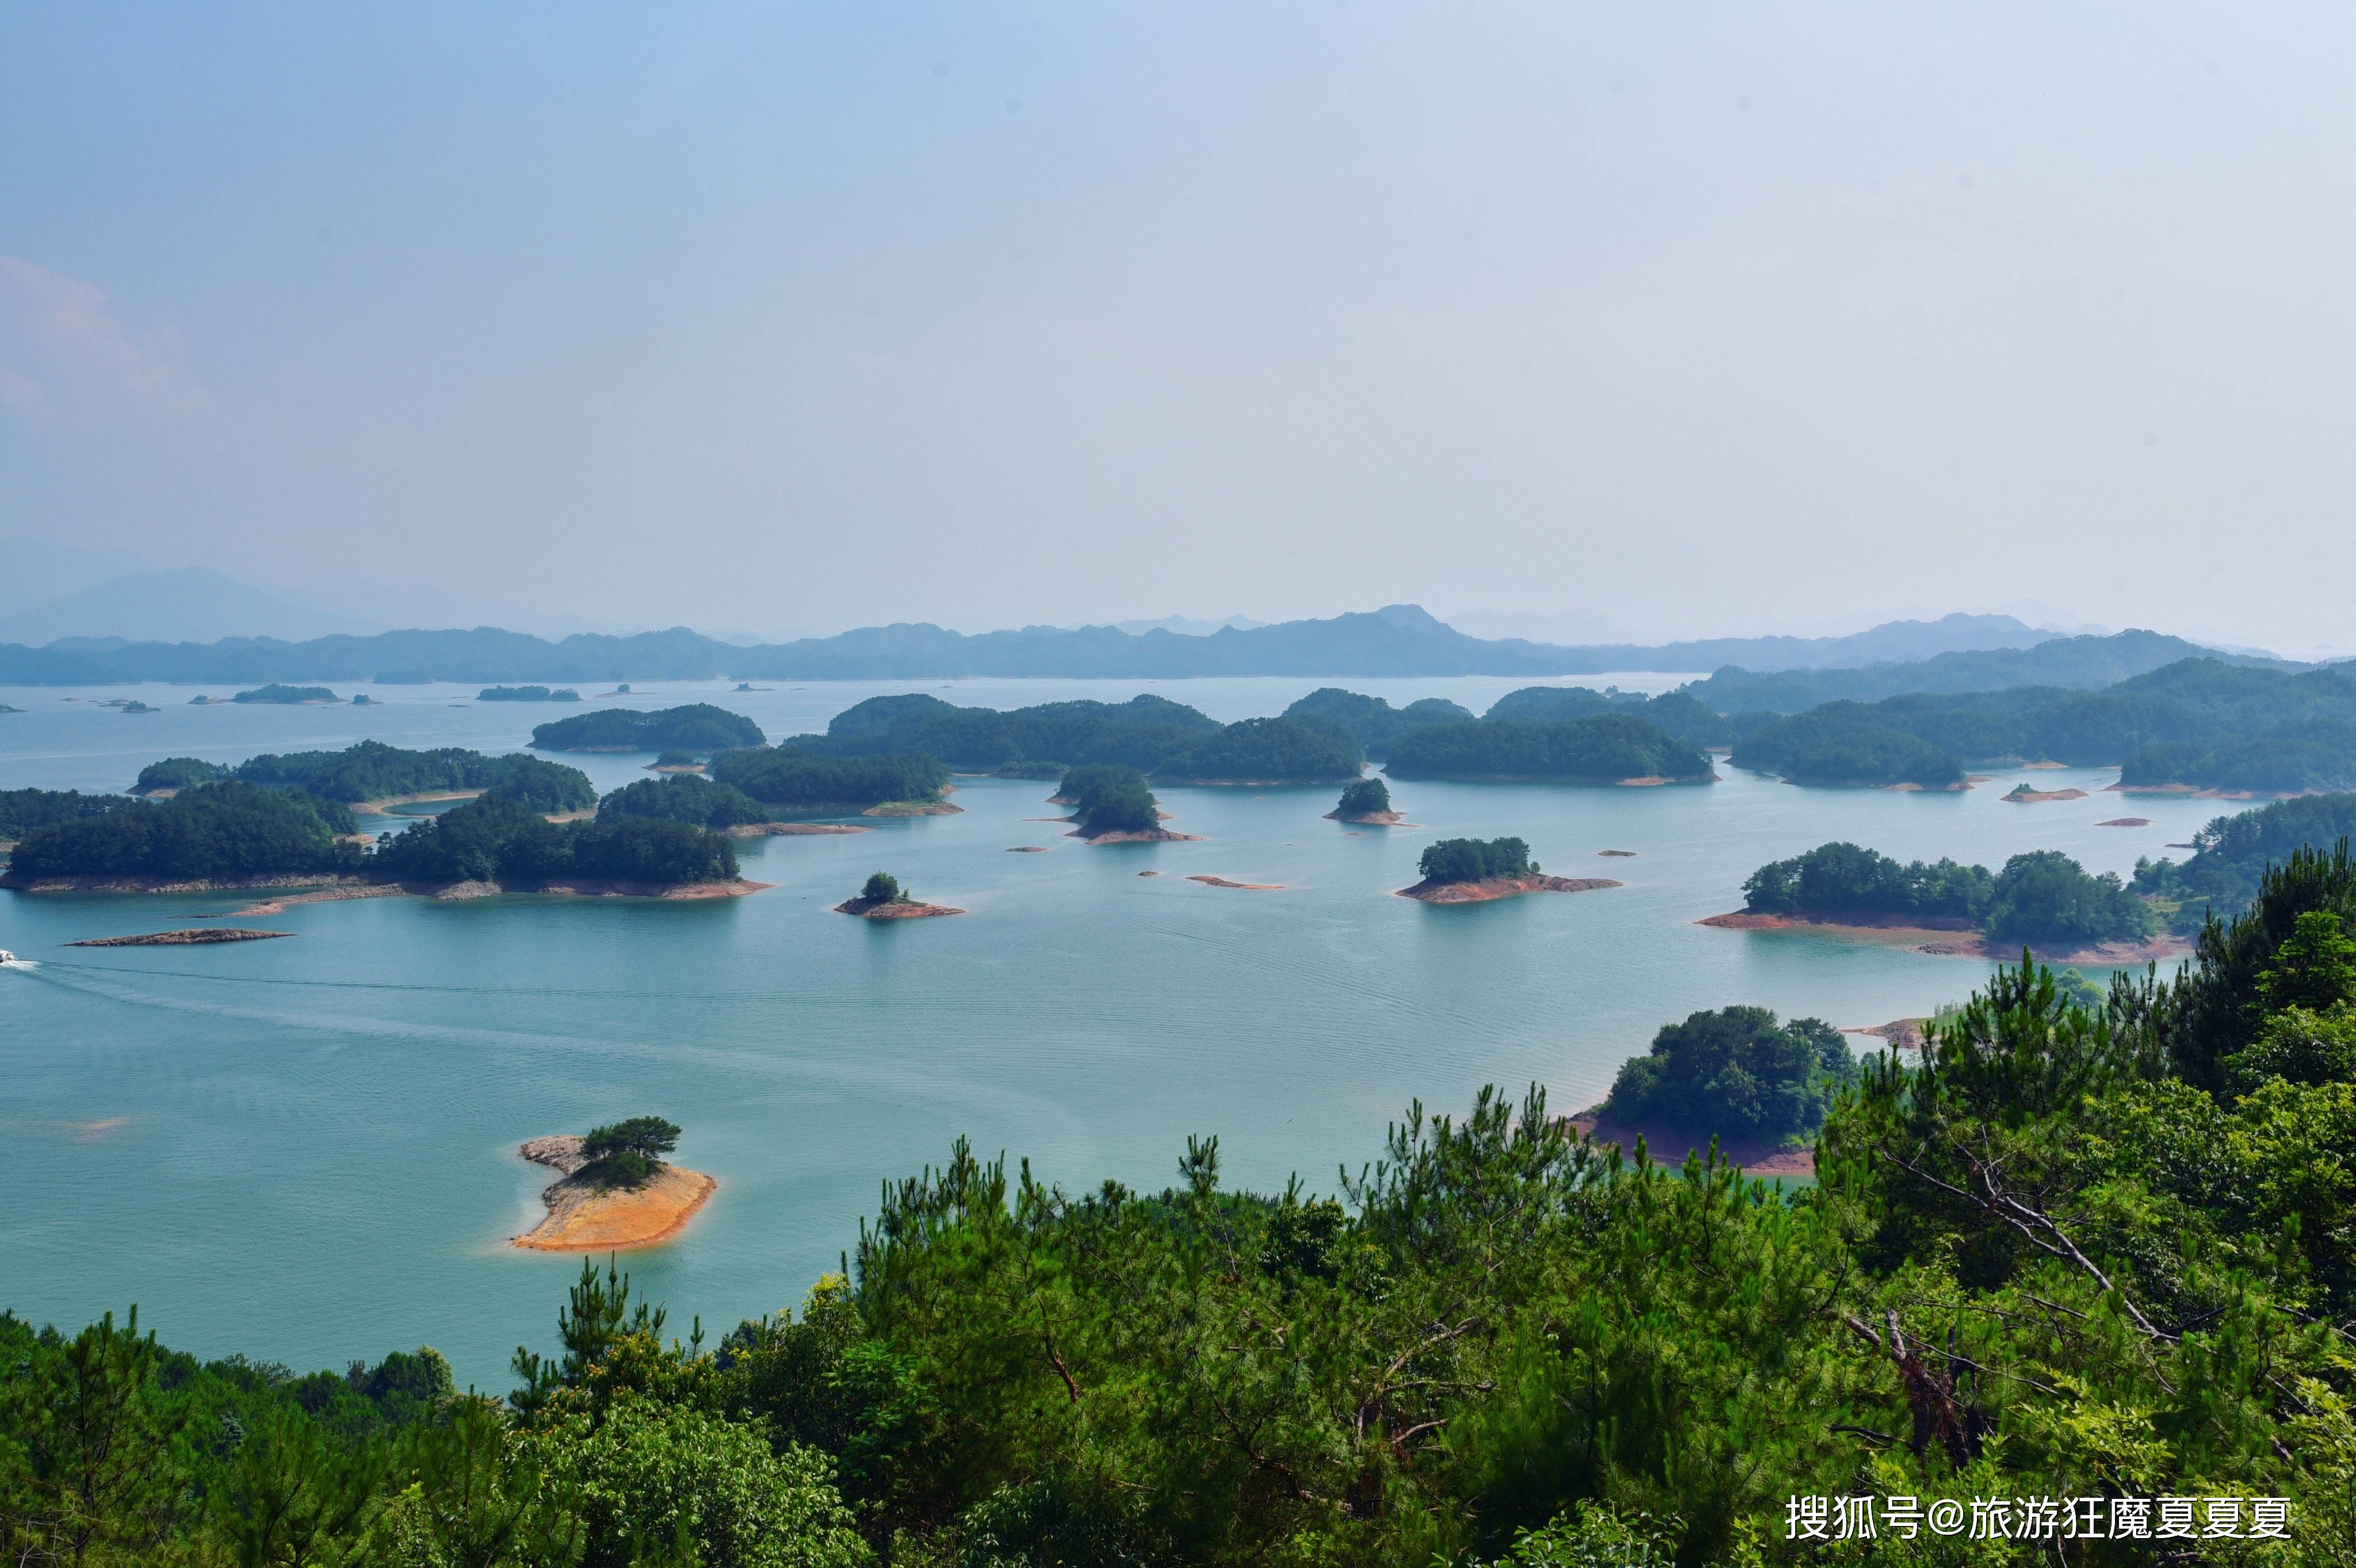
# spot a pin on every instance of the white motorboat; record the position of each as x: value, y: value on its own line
x: 7, y: 957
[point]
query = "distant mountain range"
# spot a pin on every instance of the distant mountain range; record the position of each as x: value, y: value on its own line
x: 193, y: 603
x: 1395, y: 641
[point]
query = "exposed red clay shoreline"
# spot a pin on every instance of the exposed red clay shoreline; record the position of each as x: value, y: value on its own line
x: 594, y: 888
x: 1667, y: 1146
x: 164, y: 884
x: 2022, y: 795
x: 893, y: 909
x: 1955, y: 940
x: 1493, y: 888
x: 586, y: 1218
x: 1373, y: 818
x: 1149, y: 836
x: 1904, y: 1034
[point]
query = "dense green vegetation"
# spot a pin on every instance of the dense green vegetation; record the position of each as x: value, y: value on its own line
x: 1371, y: 722
x: 371, y: 771
x: 1476, y: 860
x: 1839, y: 744
x: 2231, y: 855
x: 1736, y: 1073
x: 694, y: 726
x: 882, y: 888
x: 1602, y: 749
x: 1678, y: 715
x: 222, y: 831
x: 1031, y: 770
x: 274, y: 693
x: 497, y: 840
x: 1842, y: 881
x: 2070, y: 1252
x: 1267, y: 751
x: 1142, y: 733
x: 1151, y: 734
x: 1364, y: 798
x: 2043, y: 897
x: 178, y: 773
x: 1108, y: 799
x: 527, y: 694
x: 22, y: 811
x: 2198, y: 722
x: 627, y: 1153
x: 683, y: 798
x: 798, y: 781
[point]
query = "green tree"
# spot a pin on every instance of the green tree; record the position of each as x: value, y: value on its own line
x: 882, y: 888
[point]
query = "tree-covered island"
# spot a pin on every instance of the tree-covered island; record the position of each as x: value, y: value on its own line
x: 1371, y: 722
x: 2042, y: 899
x: 694, y: 726
x: 1364, y: 801
x: 788, y: 781
x: 502, y: 844
x: 230, y: 833
x: 1112, y: 804
x: 274, y: 693
x: 1605, y: 748
x: 371, y: 771
x: 527, y: 694
x: 1475, y: 870
x: 882, y: 897
x: 1840, y: 746
x: 615, y: 1190
x: 1736, y: 1074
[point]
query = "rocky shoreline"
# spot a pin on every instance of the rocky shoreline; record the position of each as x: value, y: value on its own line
x: 1495, y: 887
x: 893, y: 909
x: 194, y: 938
x: 1953, y: 939
x: 1373, y: 818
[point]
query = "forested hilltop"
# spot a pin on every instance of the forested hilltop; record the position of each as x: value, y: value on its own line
x: 2042, y: 897
x: 281, y: 818
x: 1609, y: 748
x: 1150, y: 734
x: 2070, y: 1254
x: 2197, y: 725
x: 2230, y: 855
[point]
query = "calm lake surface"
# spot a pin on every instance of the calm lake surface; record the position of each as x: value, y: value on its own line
x: 306, y: 1150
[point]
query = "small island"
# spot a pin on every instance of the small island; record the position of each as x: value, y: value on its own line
x: 193, y: 938
x: 2042, y: 900
x: 2126, y: 823
x: 883, y: 898
x: 696, y: 726
x: 678, y: 762
x: 2022, y: 795
x: 1478, y: 871
x: 274, y: 693
x: 613, y: 1191
x: 1760, y: 1088
x: 1114, y: 806
x: 527, y: 694
x: 1367, y: 801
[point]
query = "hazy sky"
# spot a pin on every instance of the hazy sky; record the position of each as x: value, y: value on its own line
x: 1678, y: 318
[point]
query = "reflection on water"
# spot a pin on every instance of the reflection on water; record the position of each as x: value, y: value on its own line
x: 307, y: 1150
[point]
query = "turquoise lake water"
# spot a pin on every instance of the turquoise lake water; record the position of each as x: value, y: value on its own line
x: 306, y: 1150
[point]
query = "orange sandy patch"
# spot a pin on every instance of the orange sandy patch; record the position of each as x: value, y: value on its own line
x: 586, y: 1218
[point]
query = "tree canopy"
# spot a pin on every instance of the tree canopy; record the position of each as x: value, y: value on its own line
x: 693, y: 726
x: 1476, y: 860
x: 22, y: 811
x: 2043, y: 897
x: 627, y: 1153
x: 1602, y: 749
x: 498, y: 840
x: 527, y: 694
x: 882, y: 888
x: 274, y: 693
x: 1839, y: 744
x: 220, y: 831
x: 1737, y: 1073
x: 178, y: 773
x: 1364, y: 798
x: 798, y: 781
x: 1371, y: 722
x: 371, y: 771
x: 683, y: 798
x: 1108, y: 798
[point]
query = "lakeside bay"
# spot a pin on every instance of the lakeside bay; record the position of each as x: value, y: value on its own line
x: 354, y: 1098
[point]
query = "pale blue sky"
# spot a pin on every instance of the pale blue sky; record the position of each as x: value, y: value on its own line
x: 1678, y: 318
